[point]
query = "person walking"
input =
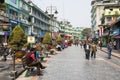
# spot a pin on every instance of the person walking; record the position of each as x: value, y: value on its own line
x: 84, y: 46
x: 114, y: 43
x: 87, y: 50
x: 93, y: 50
x: 81, y: 44
x: 109, y: 48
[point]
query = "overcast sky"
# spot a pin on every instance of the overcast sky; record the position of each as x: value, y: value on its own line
x: 77, y: 12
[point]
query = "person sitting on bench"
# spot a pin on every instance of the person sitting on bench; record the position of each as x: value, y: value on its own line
x: 32, y: 61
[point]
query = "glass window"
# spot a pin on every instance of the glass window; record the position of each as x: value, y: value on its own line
x: 24, y: 5
x: 14, y: 1
x: 109, y: 18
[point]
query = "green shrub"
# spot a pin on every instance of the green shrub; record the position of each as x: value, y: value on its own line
x: 17, y: 38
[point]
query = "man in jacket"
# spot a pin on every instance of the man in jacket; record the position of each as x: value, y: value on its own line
x: 93, y: 50
x: 87, y: 52
x: 109, y: 47
x: 32, y: 61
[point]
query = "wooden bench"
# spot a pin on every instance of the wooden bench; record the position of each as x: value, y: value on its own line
x: 27, y: 67
x: 41, y: 58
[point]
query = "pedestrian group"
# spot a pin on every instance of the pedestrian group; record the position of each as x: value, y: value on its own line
x: 91, y: 49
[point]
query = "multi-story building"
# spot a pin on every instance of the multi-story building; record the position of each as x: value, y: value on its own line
x: 39, y: 20
x: 108, y: 13
x: 24, y: 18
x: 79, y: 30
x: 4, y: 23
x: 111, y: 13
x: 17, y: 12
x: 96, y: 15
x: 66, y: 29
x: 56, y: 29
x: 10, y: 8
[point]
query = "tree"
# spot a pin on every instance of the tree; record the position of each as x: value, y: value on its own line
x: 71, y: 40
x: 47, y: 39
x: 59, y: 39
x: 86, y: 32
x: 17, y: 38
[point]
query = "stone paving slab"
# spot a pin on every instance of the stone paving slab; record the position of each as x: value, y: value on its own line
x: 113, y: 52
x: 34, y: 76
x: 22, y: 77
x: 71, y: 65
x: 98, y: 72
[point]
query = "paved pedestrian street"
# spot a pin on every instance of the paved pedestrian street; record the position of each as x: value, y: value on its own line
x: 71, y: 64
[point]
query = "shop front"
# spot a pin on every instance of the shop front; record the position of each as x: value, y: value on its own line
x: 4, y: 27
x: 42, y: 34
x: 116, y: 34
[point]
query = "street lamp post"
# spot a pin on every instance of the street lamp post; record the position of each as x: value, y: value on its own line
x: 51, y: 11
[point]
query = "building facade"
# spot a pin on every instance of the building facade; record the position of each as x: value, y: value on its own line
x: 109, y: 21
x: 39, y: 20
x: 96, y: 15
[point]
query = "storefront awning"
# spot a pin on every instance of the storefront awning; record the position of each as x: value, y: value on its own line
x: 105, y: 34
x: 117, y: 37
x: 42, y: 34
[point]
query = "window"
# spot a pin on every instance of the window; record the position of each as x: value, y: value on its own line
x: 1, y: 1
x: 108, y: 18
x: 14, y: 1
x: 23, y: 5
x: 13, y: 14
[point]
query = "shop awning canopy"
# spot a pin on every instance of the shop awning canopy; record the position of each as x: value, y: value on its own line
x: 117, y: 37
x: 42, y: 34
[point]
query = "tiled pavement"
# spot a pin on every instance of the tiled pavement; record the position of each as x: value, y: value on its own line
x: 22, y: 77
x: 33, y: 75
x: 115, y: 53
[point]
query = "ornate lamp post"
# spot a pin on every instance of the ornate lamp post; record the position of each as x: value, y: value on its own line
x: 51, y: 11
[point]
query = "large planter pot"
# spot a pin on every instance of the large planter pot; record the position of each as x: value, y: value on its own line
x: 38, y: 47
x: 19, y: 54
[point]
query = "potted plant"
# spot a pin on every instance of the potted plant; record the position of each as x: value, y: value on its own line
x: 16, y: 42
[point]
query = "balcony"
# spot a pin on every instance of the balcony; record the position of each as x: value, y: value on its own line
x: 25, y: 10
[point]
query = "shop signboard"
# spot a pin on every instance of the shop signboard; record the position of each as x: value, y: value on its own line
x: 1, y: 33
x: 116, y: 32
x: 31, y: 39
x: 12, y: 21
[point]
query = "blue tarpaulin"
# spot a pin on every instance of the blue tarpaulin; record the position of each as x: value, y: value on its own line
x: 42, y: 34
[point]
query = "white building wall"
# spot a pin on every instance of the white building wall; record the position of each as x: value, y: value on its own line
x: 99, y: 12
x: 96, y: 15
